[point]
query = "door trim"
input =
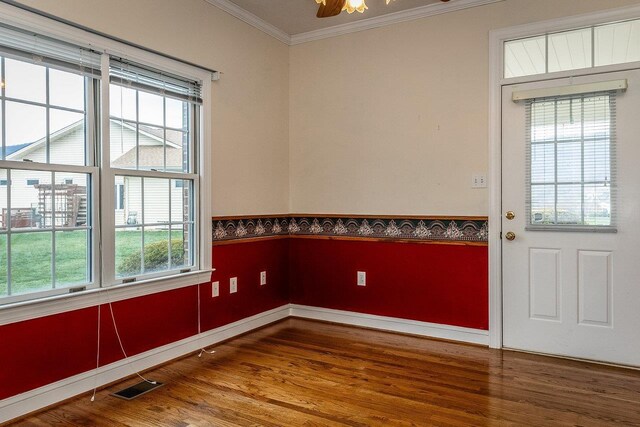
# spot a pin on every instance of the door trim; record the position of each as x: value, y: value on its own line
x: 496, y: 82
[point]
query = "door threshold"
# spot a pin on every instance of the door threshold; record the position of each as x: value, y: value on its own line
x: 575, y: 359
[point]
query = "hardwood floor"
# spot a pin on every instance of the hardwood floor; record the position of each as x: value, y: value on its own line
x: 300, y: 372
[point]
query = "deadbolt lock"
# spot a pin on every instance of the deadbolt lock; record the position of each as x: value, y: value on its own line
x: 510, y: 215
x: 510, y: 235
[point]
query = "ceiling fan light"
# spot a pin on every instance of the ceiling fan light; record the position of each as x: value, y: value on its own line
x: 324, y: 2
x: 355, y: 5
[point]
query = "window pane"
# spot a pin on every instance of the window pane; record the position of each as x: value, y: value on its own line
x: 543, y: 204
x: 180, y: 200
x: 30, y: 262
x: 569, y: 119
x: 66, y: 89
x: 524, y: 57
x: 31, y: 199
x: 132, y: 213
x: 4, y: 290
x: 570, y: 162
x: 150, y: 108
x: 25, y: 81
x: 122, y: 144
x: 156, y: 249
x: 570, y: 50
x: 151, y: 149
x: 71, y: 199
x: 177, y: 114
x: 128, y: 252
x: 156, y: 201
x: 569, y: 208
x: 597, y: 117
x: 122, y: 102
x: 67, y: 140
x: 617, y: 43
x: 543, y: 121
x: 177, y: 151
x: 26, y: 126
x: 72, y: 257
x: 597, y: 204
x: 180, y: 246
x: 597, y: 161
x: 542, y: 163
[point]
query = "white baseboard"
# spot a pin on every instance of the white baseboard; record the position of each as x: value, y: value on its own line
x: 50, y: 394
x: 42, y: 397
x: 433, y: 330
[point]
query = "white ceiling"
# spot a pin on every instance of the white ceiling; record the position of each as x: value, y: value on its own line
x: 299, y: 16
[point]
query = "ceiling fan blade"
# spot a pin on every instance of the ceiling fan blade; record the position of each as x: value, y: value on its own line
x: 332, y: 8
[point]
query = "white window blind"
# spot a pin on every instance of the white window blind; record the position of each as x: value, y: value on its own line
x: 36, y: 48
x: 571, y: 162
x: 136, y: 76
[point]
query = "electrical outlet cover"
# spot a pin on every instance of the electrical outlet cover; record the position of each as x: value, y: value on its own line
x: 215, y: 289
x: 233, y: 285
x: 263, y: 278
x: 362, y: 278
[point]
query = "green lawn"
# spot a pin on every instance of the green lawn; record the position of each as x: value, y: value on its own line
x: 31, y: 260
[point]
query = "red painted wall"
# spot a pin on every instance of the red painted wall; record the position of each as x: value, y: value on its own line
x: 435, y: 283
x: 37, y: 352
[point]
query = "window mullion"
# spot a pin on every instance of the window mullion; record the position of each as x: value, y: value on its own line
x: 582, y: 220
x: 8, y: 231
x: 53, y: 227
x: 555, y: 161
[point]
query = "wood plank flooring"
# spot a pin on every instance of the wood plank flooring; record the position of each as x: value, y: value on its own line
x: 305, y: 373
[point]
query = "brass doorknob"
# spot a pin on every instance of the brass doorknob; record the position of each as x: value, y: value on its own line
x: 510, y: 215
x: 510, y: 235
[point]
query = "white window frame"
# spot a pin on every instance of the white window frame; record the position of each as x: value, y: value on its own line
x: 33, y: 308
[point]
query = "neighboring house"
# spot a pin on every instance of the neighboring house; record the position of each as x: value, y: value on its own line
x: 31, y: 200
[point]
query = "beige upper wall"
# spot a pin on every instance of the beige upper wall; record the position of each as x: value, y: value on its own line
x: 387, y: 121
x: 250, y: 103
x: 395, y: 120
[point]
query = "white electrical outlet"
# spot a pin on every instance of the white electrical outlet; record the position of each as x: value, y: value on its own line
x: 362, y: 278
x: 263, y: 278
x: 233, y: 285
x: 215, y: 289
x: 479, y: 181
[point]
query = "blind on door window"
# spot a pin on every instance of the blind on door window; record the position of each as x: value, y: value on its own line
x: 571, y: 162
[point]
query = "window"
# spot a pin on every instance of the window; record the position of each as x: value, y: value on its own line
x: 608, y: 44
x: 570, y: 165
x: 152, y: 143
x: 51, y: 132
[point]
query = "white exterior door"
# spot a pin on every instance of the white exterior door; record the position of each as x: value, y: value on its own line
x: 568, y: 291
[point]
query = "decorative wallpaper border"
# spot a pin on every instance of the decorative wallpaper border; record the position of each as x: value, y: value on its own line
x: 425, y: 229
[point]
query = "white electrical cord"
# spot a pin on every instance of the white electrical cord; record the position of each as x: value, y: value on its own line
x: 115, y: 327
x: 202, y: 350
x: 95, y: 384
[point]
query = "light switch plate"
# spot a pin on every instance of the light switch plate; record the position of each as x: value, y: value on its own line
x: 233, y: 285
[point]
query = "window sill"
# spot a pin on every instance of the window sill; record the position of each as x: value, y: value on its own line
x: 27, y: 310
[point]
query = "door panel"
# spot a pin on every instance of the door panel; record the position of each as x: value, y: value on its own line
x: 572, y: 293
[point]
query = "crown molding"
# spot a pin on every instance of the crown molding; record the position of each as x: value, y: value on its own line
x: 388, y: 19
x: 338, y: 30
x: 252, y: 20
